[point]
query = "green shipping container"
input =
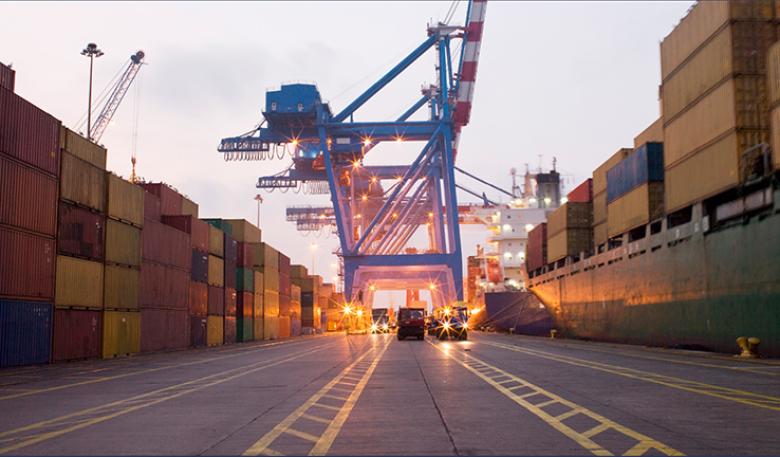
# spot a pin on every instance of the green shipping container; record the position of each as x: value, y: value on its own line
x: 245, y: 329
x: 245, y: 280
x: 243, y: 231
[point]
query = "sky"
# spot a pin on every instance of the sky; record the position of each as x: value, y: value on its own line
x: 570, y: 80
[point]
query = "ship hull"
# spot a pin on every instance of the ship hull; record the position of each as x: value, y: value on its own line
x: 520, y: 312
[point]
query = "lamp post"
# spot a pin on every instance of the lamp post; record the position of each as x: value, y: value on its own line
x: 92, y: 52
x: 258, y: 199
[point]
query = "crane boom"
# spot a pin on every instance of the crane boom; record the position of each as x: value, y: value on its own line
x: 117, y: 94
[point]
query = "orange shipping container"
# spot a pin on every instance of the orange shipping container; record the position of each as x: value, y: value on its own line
x: 638, y: 207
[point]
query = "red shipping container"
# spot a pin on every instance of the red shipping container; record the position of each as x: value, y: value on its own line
x: 26, y: 265
x: 285, y: 305
x: 230, y: 330
x: 231, y: 249
x: 166, y: 245
x: 536, y: 249
x: 284, y: 264
x: 154, y: 327
x: 199, y: 298
x: 77, y: 334
x: 152, y: 210
x: 80, y: 232
x: 285, y: 327
x: 196, y: 228
x: 244, y: 257
x: 216, y: 301
x: 7, y: 77
x: 28, y: 133
x: 230, y: 274
x: 198, y: 331
x: 285, y: 285
x: 163, y: 287
x: 170, y: 200
x: 178, y: 330
x: 231, y: 302
x: 244, y: 304
x: 582, y: 193
x: 28, y: 197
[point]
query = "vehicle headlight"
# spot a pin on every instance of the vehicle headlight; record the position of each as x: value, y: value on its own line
x: 446, y: 326
x: 373, y: 327
x: 385, y: 327
x: 465, y: 326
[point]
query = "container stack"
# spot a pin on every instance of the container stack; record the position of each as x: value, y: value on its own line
x: 247, y: 236
x: 269, y: 266
x: 257, y: 314
x: 654, y: 133
x: 285, y: 299
x: 773, y: 73
x: 295, y: 310
x: 536, y: 249
x: 231, y: 294
x: 29, y: 171
x: 714, y: 97
x: 334, y: 311
x: 165, y: 275
x: 635, y: 189
x: 81, y: 252
x: 7, y: 77
x: 326, y: 294
x: 600, y: 198
x: 582, y: 193
x: 569, y: 230
x: 215, y: 322
x: 310, y: 293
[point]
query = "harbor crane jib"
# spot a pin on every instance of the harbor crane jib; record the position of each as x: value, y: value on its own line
x: 376, y: 209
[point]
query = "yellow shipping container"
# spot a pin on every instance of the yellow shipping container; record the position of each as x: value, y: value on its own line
x: 121, y: 287
x: 189, y: 207
x: 738, y: 102
x: 258, y: 306
x: 121, y: 333
x: 270, y: 303
x: 216, y: 241
x: 83, y: 183
x: 702, y: 22
x: 270, y: 328
x: 123, y: 243
x: 83, y: 148
x: 569, y: 242
x: 599, y: 208
x: 125, y: 200
x: 600, y: 234
x: 79, y: 283
x: 653, y: 133
x: 270, y: 279
x: 215, y: 330
x: 600, y: 173
x: 216, y: 271
x: 298, y: 271
x: 570, y: 215
x: 266, y: 256
x: 636, y: 208
x: 773, y: 73
x: 776, y: 137
x: 244, y: 231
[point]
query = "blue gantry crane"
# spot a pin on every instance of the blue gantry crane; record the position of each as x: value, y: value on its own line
x: 377, y: 209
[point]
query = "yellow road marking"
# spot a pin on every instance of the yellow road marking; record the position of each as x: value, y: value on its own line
x: 87, y: 417
x: 303, y: 435
x: 725, y: 393
x: 323, y: 442
x: 557, y: 422
x: 315, y: 418
x: 240, y: 351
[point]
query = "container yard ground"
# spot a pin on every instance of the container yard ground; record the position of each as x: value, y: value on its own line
x: 371, y: 394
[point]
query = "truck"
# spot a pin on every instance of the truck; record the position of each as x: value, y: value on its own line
x: 380, y: 320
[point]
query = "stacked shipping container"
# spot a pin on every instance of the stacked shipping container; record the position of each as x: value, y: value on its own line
x: 536, y: 249
x: 247, y: 236
x: 635, y: 189
x: 285, y: 299
x: 773, y: 78
x: 600, y: 198
x: 267, y: 260
x: 215, y: 325
x: 569, y: 230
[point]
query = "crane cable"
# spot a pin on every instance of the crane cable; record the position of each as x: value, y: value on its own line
x: 101, y: 98
x: 134, y: 133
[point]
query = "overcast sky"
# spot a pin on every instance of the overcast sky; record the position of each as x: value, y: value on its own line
x: 575, y: 81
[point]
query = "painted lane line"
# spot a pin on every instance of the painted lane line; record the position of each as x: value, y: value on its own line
x: 701, y: 388
x: 556, y: 422
x: 52, y: 428
x: 323, y: 442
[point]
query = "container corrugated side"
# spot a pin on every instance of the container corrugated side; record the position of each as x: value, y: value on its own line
x: 79, y: 283
x: 570, y: 215
x: 163, y: 287
x: 216, y: 241
x: 600, y: 173
x: 271, y: 279
x: 80, y: 232
x: 776, y: 138
x: 163, y: 329
x: 536, y: 249
x: 583, y: 193
x: 266, y: 256
x: 636, y: 208
x: 231, y: 301
x: 220, y: 224
x: 245, y: 280
x: 121, y: 333
x: 599, y: 208
x: 230, y: 274
x: 284, y: 305
x: 654, y: 133
x: 295, y: 293
x: 29, y: 134
x: 243, y: 230
x: 25, y: 332
x: 284, y: 327
x: 28, y: 197
x: 257, y: 317
x: 645, y: 164
x: 215, y: 330
x: 773, y: 73
x: 122, y: 287
x: 77, y: 334
x: 196, y: 228
x: 170, y: 199
x: 199, y: 267
x: 600, y: 233
x: 123, y: 243
x: 216, y: 301
x: 152, y: 207
x: 569, y: 242
x: 26, y: 265
x: 83, y: 148
x: 125, y: 201
x: 166, y: 245
x: 298, y: 271
x: 244, y: 258
x: 244, y: 329
x: 189, y: 207
x: 178, y: 329
x: 230, y: 329
x: 7, y: 77
x: 198, y: 330
x: 216, y: 276
x: 231, y: 249
x: 198, y: 298
x: 82, y: 183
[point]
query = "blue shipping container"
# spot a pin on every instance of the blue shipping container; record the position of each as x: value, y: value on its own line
x: 25, y: 332
x: 645, y: 164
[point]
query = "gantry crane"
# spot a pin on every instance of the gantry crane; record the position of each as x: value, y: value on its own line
x: 375, y: 224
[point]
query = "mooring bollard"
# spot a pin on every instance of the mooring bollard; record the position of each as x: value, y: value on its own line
x: 749, y: 346
x: 553, y: 332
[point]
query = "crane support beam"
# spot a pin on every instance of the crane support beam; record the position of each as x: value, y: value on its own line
x: 414, y: 108
x: 485, y: 182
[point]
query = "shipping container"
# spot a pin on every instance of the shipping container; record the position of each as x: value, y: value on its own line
x: 82, y: 183
x: 123, y: 243
x: 600, y: 173
x: 28, y: 197
x: 285, y: 303
x: 7, y: 77
x: 215, y: 330
x: 243, y: 231
x: 77, y: 334
x: 298, y: 271
x: 216, y: 300
x: 270, y: 279
x: 230, y: 274
x: 285, y: 285
x: 284, y: 264
x: 28, y: 133
x: 635, y: 208
x: 270, y: 303
x: 163, y: 329
x: 652, y: 134
x: 230, y: 330
x: 231, y: 249
x: 152, y: 207
x: 25, y: 332
x: 245, y: 279
x: 196, y: 228
x: 216, y: 274
x: 26, y: 265
x: 198, y: 330
x: 266, y: 256
x: 121, y: 333
x: 295, y: 293
x: 704, y: 20
x: 258, y: 306
x: 582, y: 193
x: 773, y: 74
x: 82, y: 148
x: 600, y: 208
x: 166, y: 245
x: 80, y: 232
x: 244, y: 258
x: 170, y: 199
x: 79, y: 283
x: 178, y: 329
x: 570, y: 215
x: 644, y: 165
x: 121, y: 287
x: 244, y: 304
x: 295, y: 324
x: 284, y: 327
x: 737, y: 103
x: 308, y: 284
x: 231, y: 302
x: 244, y: 329
x: 600, y: 233
x: 125, y: 201
x: 216, y: 241
x: 199, y: 267
x: 536, y: 249
x: 775, y: 142
x: 569, y: 242
x: 163, y: 287
x: 270, y: 327
x: 189, y: 207
x: 198, y: 298
x: 739, y: 49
